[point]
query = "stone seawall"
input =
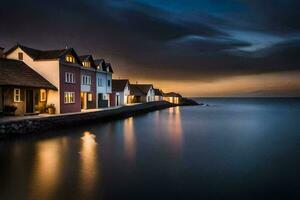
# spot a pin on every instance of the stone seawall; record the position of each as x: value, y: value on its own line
x: 39, y: 125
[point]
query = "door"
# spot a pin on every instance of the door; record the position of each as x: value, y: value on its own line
x: 117, y: 100
x: 100, y: 99
x: 29, y: 101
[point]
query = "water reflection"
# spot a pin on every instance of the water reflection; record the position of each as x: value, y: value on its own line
x: 89, y: 168
x: 47, y: 169
x: 129, y: 139
x: 175, y: 128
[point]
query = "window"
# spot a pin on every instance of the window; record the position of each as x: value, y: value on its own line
x: 17, y: 95
x: 69, y: 97
x: 86, y: 64
x: 99, y: 82
x: 43, y: 95
x: 86, y: 80
x: 70, y: 58
x: 69, y: 77
x: 108, y: 83
x: 90, y: 97
x: 20, y: 56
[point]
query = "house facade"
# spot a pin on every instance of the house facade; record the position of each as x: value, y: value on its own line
x: 103, y: 84
x: 88, y: 88
x: 22, y: 90
x: 62, y: 68
x: 158, y: 95
x: 120, y: 92
x: 172, y: 97
x: 141, y: 93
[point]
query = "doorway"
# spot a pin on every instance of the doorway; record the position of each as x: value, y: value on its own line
x: 29, y: 101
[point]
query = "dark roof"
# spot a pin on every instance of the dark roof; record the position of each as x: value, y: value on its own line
x: 139, y: 89
x: 172, y: 94
x: 36, y: 54
x: 88, y: 58
x: 101, y: 64
x: 119, y: 85
x: 17, y: 73
x: 158, y: 92
x: 109, y: 68
x: 104, y: 66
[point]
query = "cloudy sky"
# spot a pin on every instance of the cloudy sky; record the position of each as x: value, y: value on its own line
x: 198, y: 48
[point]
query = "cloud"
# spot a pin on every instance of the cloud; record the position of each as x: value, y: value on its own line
x: 152, y: 41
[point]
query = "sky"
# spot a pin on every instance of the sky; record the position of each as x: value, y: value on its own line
x: 195, y: 47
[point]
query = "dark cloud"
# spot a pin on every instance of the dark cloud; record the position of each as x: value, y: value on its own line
x: 147, y: 41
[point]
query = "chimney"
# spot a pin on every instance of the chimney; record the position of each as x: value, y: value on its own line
x: 1, y: 52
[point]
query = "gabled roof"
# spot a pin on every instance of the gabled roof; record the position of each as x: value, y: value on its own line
x: 88, y: 58
x: 36, y: 54
x: 17, y: 73
x: 158, y: 92
x: 104, y: 66
x: 109, y: 68
x: 172, y: 94
x: 118, y: 85
x: 140, y: 89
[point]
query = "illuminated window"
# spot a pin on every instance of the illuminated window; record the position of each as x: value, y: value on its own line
x: 69, y: 77
x: 90, y: 97
x: 69, y: 97
x: 43, y: 95
x: 17, y: 95
x: 20, y: 56
x: 70, y: 58
x: 86, y: 64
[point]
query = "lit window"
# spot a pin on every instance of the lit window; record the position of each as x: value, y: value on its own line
x: 17, y: 95
x: 86, y: 64
x: 20, y: 56
x: 70, y: 58
x: 43, y: 95
x: 90, y: 97
x: 69, y: 97
x: 69, y: 77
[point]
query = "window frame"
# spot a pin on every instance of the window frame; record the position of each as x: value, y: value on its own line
x: 20, y: 56
x: 69, y: 98
x: 70, y: 77
x: 17, y: 100
x: 43, y: 91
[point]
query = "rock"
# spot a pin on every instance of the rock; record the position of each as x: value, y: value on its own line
x: 189, y: 102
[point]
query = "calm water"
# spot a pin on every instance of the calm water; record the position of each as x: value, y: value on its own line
x: 235, y: 149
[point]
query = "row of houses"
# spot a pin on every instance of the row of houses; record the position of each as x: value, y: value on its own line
x: 34, y: 80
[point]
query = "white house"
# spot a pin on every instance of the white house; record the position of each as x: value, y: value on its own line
x: 121, y: 91
x: 141, y: 93
x: 103, y: 83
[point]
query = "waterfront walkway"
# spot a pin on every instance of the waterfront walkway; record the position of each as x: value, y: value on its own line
x: 11, y: 126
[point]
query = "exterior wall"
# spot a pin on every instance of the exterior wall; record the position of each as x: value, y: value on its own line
x: 109, y: 78
x: 49, y: 69
x: 8, y: 93
x: 150, y: 96
x: 158, y: 98
x: 90, y: 88
x: 1, y: 100
x: 126, y: 93
x: 101, y: 88
x: 175, y: 100
x: 69, y: 87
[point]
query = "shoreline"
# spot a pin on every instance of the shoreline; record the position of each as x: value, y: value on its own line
x: 34, y: 125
